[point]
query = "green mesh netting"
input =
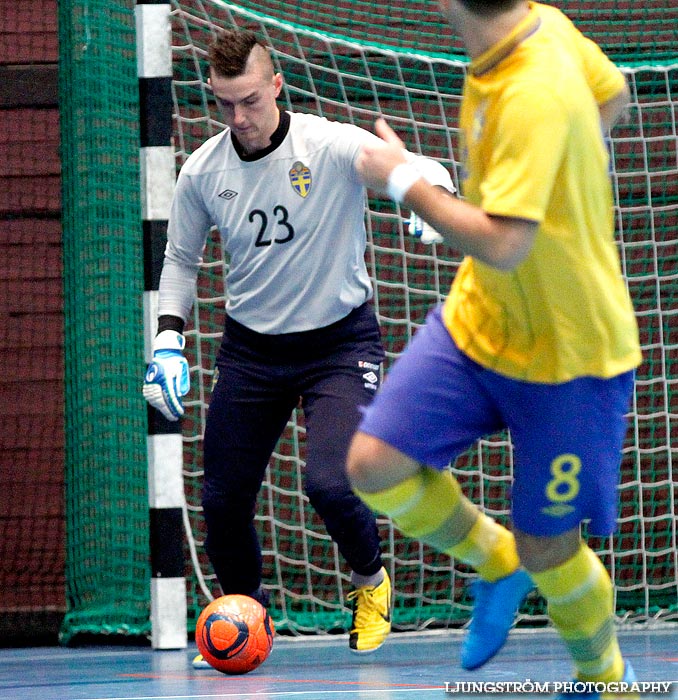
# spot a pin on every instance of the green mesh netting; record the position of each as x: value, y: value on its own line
x: 626, y: 30
x: 353, y: 61
x: 107, y: 567
x: 329, y: 74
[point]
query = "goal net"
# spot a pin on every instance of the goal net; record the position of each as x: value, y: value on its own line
x: 353, y: 61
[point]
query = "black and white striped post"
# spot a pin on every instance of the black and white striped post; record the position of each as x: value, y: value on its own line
x: 165, y: 452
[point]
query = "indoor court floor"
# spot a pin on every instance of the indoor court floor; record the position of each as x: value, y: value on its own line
x: 408, y: 667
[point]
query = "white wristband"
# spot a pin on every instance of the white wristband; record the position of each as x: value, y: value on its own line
x: 400, y: 180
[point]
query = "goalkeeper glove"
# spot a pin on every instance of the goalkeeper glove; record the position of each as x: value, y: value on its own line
x: 435, y: 174
x: 418, y: 228
x: 167, y: 376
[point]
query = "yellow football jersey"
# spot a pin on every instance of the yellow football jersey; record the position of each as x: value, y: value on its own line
x: 533, y: 150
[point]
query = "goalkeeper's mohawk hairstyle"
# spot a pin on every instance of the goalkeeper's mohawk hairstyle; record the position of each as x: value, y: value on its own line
x: 230, y: 50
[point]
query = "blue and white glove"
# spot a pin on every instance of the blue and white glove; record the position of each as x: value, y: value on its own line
x: 435, y: 174
x: 167, y: 378
x: 418, y: 228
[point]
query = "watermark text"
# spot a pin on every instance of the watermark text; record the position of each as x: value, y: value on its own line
x: 529, y: 687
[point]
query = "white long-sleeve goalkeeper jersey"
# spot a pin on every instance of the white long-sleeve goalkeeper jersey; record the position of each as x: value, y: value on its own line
x: 291, y: 221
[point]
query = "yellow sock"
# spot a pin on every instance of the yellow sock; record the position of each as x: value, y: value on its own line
x: 489, y: 548
x: 580, y: 603
x: 430, y: 506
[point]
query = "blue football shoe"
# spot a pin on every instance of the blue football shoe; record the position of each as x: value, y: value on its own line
x: 494, y: 610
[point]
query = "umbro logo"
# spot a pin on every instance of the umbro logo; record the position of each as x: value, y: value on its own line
x: 228, y: 194
x: 370, y: 377
x: 370, y: 380
x: 558, y: 510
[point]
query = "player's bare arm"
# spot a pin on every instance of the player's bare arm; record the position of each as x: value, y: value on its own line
x: 612, y: 110
x: 502, y: 242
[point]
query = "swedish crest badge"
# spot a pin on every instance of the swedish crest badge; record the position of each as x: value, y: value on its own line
x: 300, y: 177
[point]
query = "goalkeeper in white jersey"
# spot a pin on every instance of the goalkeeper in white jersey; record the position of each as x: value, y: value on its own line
x: 284, y: 193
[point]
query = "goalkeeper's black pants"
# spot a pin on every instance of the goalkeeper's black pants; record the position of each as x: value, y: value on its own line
x: 261, y: 379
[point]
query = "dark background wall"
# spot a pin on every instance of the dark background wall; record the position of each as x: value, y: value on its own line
x: 32, y: 593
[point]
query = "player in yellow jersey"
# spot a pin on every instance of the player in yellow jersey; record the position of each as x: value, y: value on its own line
x: 537, y: 335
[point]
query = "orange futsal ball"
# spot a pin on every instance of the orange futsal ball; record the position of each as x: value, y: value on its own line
x: 234, y: 634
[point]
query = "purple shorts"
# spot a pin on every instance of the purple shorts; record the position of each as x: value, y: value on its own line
x: 567, y: 438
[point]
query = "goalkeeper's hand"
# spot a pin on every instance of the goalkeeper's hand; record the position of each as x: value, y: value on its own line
x: 418, y: 228
x: 167, y: 378
x: 435, y: 174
